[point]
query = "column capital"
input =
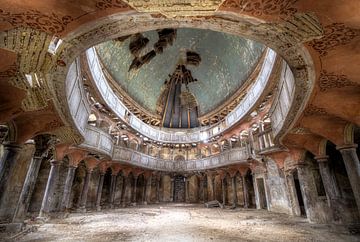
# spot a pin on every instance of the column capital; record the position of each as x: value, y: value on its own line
x: 322, y: 158
x: 71, y: 166
x: 301, y: 165
x: 54, y: 162
x: 11, y: 145
x: 346, y: 147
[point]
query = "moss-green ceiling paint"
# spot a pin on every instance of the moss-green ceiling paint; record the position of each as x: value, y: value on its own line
x: 226, y: 62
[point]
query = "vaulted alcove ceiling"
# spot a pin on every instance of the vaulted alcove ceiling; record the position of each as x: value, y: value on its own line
x: 226, y: 63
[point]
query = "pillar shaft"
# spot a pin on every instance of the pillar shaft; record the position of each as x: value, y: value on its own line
x: 148, y: 190
x: 352, y: 165
x: 245, y: 192
x: 172, y: 192
x: 158, y: 190
x: 233, y: 183
x: 223, y: 191
x: 65, y: 202
x: 293, y: 194
x: 213, y: 187
x: 112, y: 190
x: 135, y: 189
x: 308, y: 192
x: 28, y: 188
x: 204, y: 189
x: 50, y: 186
x: 99, y: 191
x: 85, y: 190
x: 186, y: 189
x: 123, y: 191
x: 7, y: 164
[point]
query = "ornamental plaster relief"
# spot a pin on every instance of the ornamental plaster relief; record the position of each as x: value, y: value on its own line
x: 331, y: 80
x: 257, y: 8
x: 173, y: 8
x: 335, y: 34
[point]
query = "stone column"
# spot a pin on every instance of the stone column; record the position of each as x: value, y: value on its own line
x: 148, y: 190
x: 352, y: 165
x: 234, y: 198
x: 157, y: 189
x: 85, y: 191
x: 65, y: 202
x: 99, y: 191
x: 245, y: 191
x: 135, y: 189
x: 308, y: 192
x: 7, y: 164
x: 123, y: 191
x: 172, y: 198
x: 204, y: 189
x: 223, y: 188
x: 144, y: 192
x: 50, y: 186
x: 331, y: 189
x: 28, y: 188
x: 186, y: 190
x: 293, y: 194
x: 212, y: 178
x: 112, y: 189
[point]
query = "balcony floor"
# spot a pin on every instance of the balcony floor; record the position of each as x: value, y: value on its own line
x: 183, y: 222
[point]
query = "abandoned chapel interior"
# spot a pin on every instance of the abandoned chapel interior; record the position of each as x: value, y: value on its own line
x: 180, y: 120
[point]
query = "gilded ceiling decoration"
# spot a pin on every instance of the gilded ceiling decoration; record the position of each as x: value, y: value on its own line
x: 213, y: 54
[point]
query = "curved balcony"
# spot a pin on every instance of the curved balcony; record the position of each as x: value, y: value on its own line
x: 99, y: 141
x: 179, y: 136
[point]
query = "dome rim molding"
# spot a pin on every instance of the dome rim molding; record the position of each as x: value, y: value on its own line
x: 168, y: 135
x: 289, y: 46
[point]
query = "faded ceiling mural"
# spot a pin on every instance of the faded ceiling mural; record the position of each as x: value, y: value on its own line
x: 226, y: 62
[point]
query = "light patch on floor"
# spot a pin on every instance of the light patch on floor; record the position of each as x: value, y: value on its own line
x: 179, y: 222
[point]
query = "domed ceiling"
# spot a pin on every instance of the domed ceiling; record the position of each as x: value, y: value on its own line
x: 223, y: 63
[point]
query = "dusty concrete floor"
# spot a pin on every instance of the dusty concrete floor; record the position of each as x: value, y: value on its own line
x: 173, y: 222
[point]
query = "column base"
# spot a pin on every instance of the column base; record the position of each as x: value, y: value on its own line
x: 11, y: 227
x: 98, y: 208
x: 81, y: 210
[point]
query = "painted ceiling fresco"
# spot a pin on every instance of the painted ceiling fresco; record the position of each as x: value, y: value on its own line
x: 226, y: 62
